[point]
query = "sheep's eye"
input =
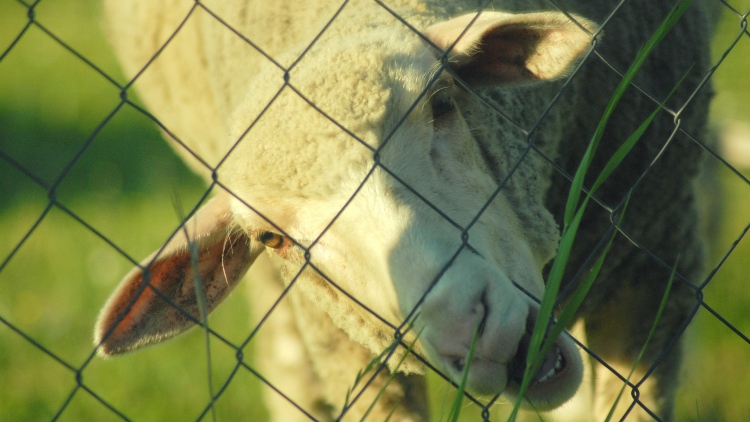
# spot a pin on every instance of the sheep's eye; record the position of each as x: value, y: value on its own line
x: 442, y: 104
x: 271, y: 239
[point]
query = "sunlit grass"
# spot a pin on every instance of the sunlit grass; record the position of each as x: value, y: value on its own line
x: 52, y: 290
x: 730, y: 80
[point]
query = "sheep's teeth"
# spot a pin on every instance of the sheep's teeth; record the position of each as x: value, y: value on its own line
x: 552, y: 372
x: 547, y: 376
x: 559, y: 363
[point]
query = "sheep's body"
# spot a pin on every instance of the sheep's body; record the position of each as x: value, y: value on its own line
x: 205, y: 86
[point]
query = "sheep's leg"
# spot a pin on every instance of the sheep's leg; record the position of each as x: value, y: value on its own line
x: 338, y: 360
x: 616, y: 332
x: 280, y: 353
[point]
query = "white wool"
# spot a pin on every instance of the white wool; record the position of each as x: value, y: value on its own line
x: 299, y: 166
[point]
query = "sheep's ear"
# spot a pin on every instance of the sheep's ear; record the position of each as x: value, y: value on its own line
x: 509, y: 49
x: 148, y: 307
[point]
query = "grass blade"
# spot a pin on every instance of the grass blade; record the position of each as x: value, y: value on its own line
x: 200, y: 299
x: 577, y: 185
x: 629, y: 143
x: 579, y: 295
x: 456, y: 408
x: 574, y: 211
x: 568, y: 312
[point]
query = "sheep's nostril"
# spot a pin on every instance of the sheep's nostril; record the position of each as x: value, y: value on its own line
x: 483, y: 310
x: 458, y: 364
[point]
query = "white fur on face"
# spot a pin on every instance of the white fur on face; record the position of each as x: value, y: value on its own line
x: 352, y: 204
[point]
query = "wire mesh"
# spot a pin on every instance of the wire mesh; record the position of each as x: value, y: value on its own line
x: 89, y: 188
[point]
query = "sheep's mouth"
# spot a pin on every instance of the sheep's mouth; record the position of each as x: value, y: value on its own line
x: 552, y: 367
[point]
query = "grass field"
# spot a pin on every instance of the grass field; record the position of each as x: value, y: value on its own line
x: 123, y: 187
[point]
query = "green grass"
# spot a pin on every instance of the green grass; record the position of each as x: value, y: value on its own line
x: 55, y: 284
x: 52, y: 290
x: 730, y: 80
x: 455, y: 411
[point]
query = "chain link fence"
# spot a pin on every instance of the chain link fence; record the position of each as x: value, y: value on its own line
x: 88, y: 186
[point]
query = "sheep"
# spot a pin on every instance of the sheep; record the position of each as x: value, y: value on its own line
x: 410, y: 173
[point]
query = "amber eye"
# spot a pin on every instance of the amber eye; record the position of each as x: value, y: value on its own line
x: 271, y: 239
x: 442, y: 104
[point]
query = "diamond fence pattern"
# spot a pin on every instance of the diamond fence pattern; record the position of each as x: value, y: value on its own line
x: 82, y: 202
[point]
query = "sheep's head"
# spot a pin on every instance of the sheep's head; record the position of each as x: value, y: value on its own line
x: 382, y: 190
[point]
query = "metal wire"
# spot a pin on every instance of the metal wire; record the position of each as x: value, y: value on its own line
x: 462, y: 232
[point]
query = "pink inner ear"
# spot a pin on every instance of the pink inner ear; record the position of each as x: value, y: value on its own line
x: 511, y: 49
x: 500, y: 55
x: 222, y: 261
x: 503, y: 45
x: 224, y: 255
x: 498, y: 59
x: 148, y: 300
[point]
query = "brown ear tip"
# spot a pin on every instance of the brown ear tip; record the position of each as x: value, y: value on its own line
x: 104, y: 352
x: 104, y: 349
x: 110, y: 348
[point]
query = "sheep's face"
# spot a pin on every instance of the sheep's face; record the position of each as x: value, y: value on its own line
x: 381, y: 191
